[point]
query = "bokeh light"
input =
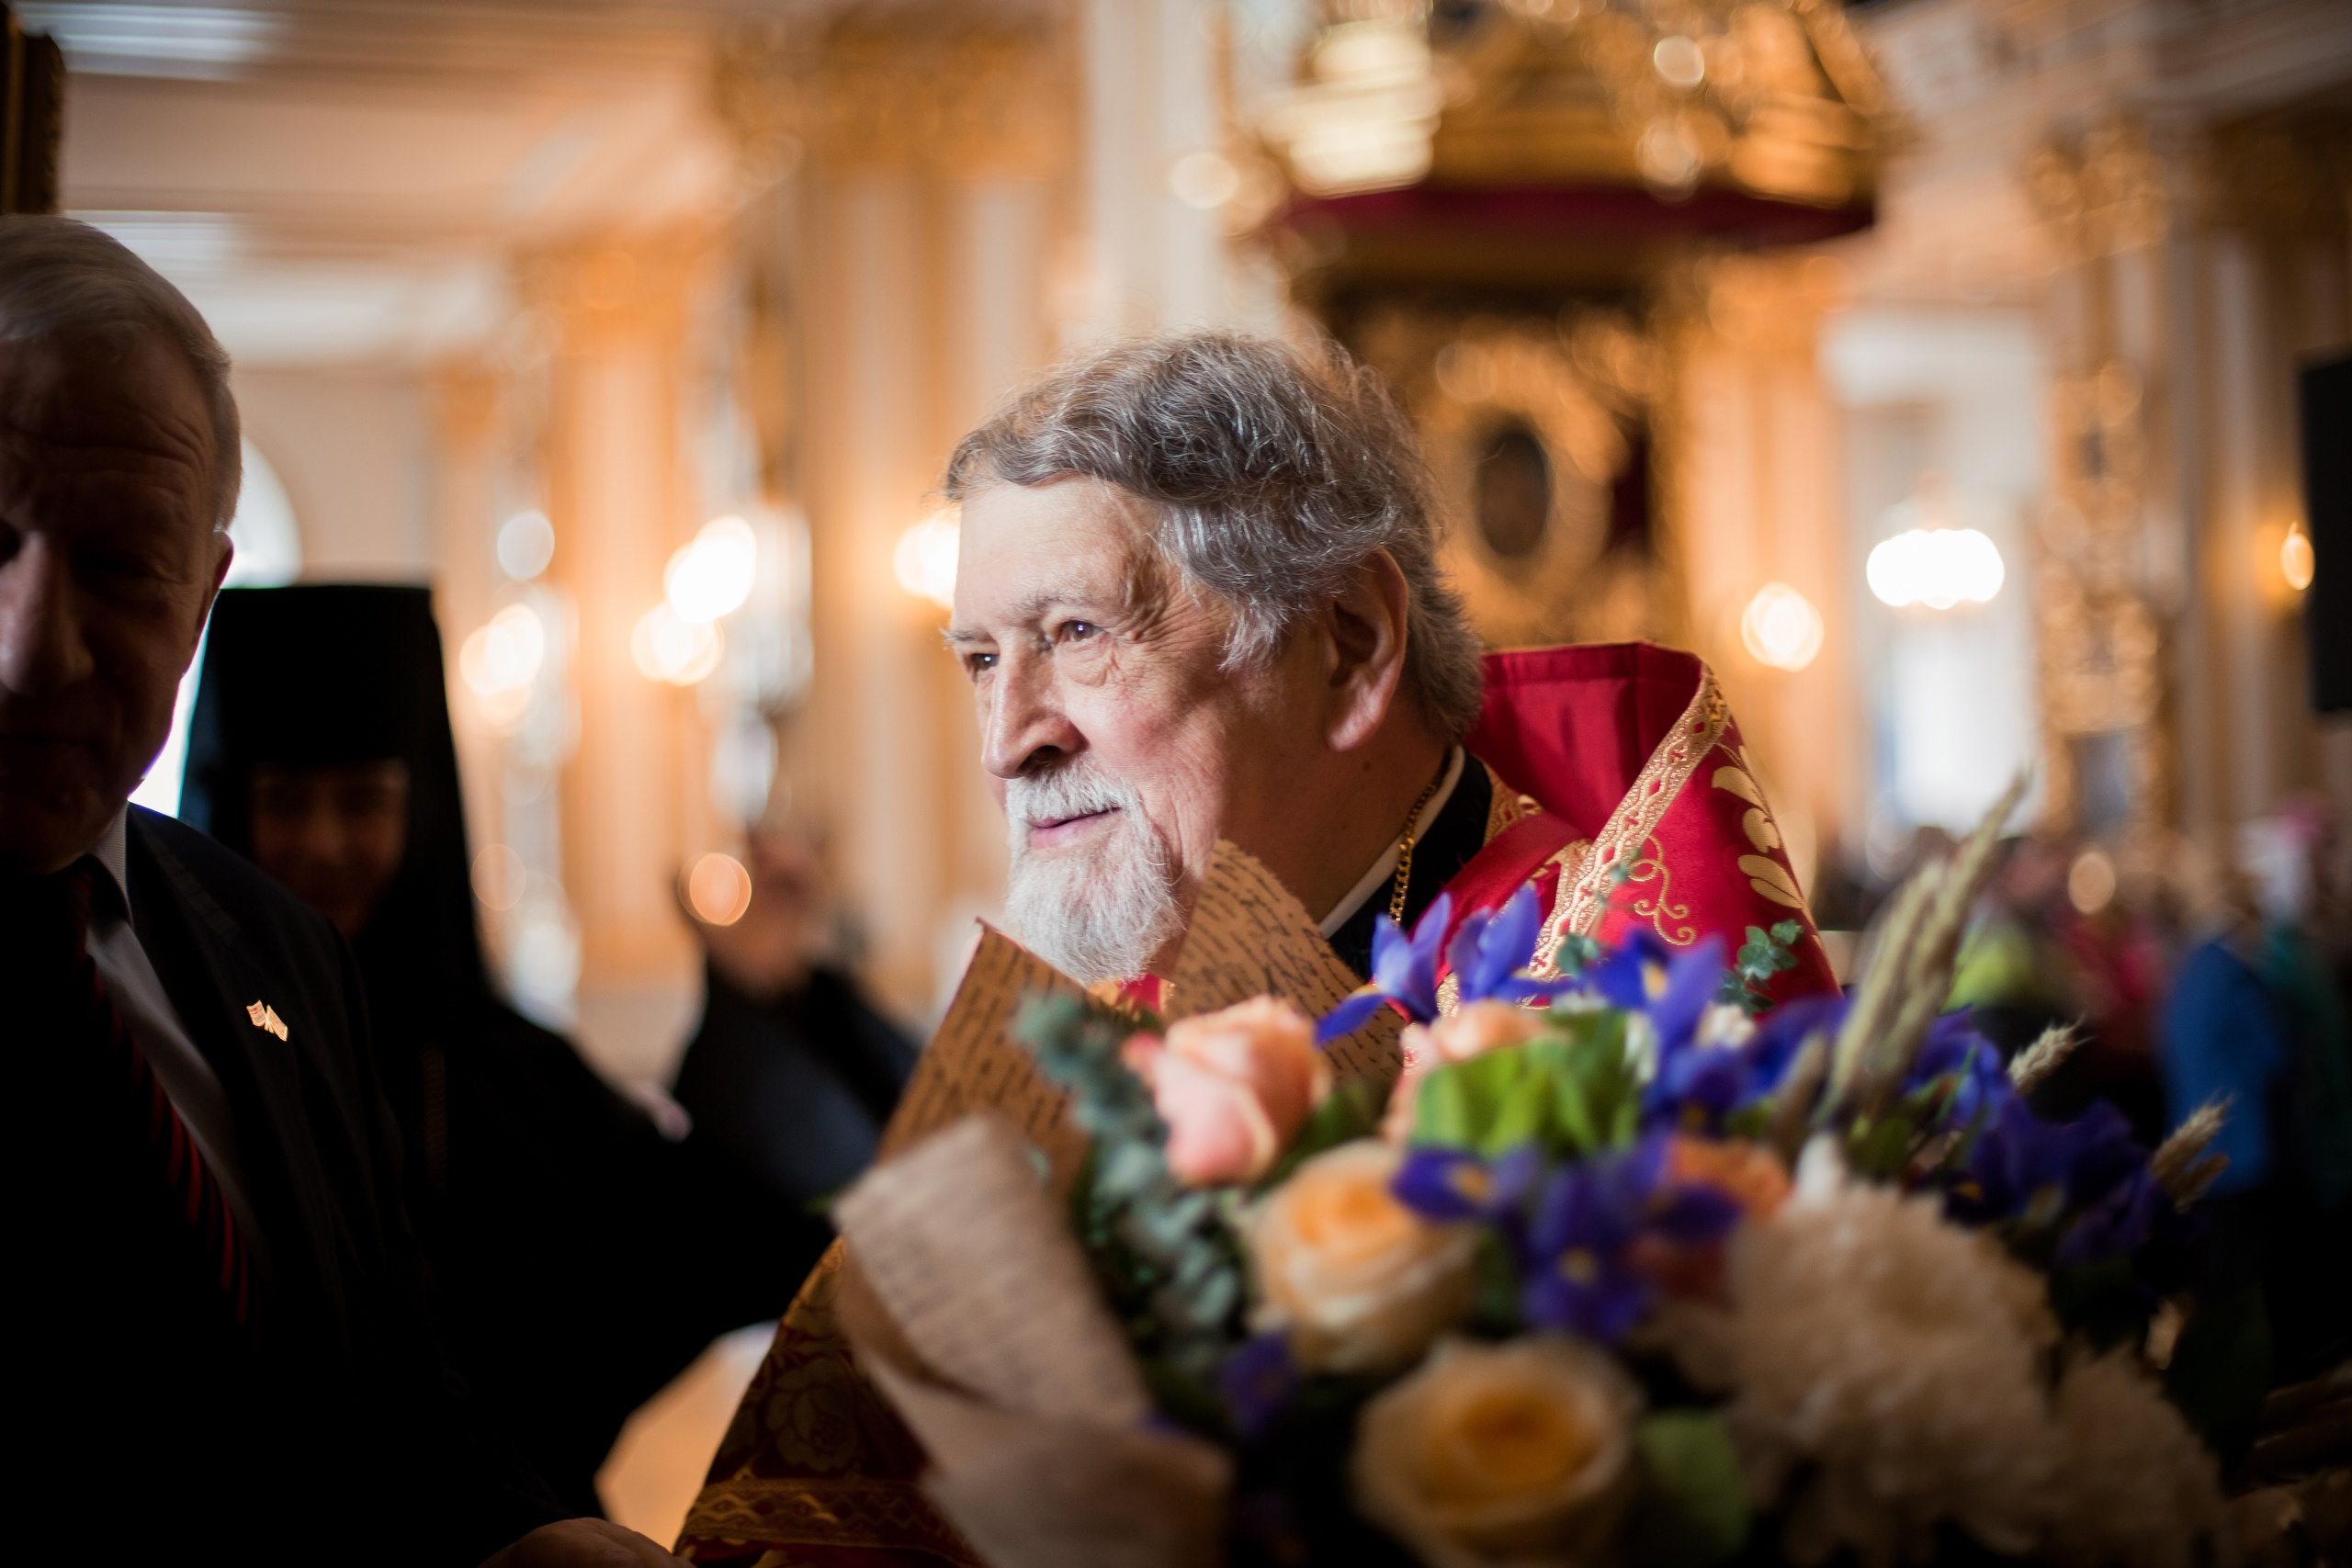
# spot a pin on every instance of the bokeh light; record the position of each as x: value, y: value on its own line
x: 719, y: 889
x: 712, y: 576
x: 667, y: 647
x: 498, y: 878
x: 1780, y: 627
x: 925, y: 558
x: 526, y: 545
x: 2090, y: 881
x: 1205, y: 180
x: 1936, y: 567
x: 499, y: 661
x: 2296, y: 562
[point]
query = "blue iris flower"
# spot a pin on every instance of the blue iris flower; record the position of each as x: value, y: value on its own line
x: 2038, y: 1173
x: 1579, y: 1270
x: 1404, y: 971
x: 1982, y: 1083
x: 1257, y: 1380
x: 1446, y: 1185
x: 1673, y: 988
x: 1489, y: 956
x: 2115, y: 1226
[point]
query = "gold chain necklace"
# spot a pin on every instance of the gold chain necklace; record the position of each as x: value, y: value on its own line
x: 1405, y: 846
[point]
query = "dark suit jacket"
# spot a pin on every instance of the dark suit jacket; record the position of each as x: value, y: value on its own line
x: 333, y: 1431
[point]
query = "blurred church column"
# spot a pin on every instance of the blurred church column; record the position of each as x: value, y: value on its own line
x: 464, y: 401
x: 927, y: 223
x: 621, y: 499
x: 1152, y: 100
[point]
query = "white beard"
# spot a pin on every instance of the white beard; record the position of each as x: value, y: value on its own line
x: 1099, y: 911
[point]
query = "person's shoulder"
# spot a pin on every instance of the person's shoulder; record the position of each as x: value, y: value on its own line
x: 221, y: 884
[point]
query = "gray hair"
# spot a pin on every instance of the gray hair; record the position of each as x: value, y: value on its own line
x: 1273, y: 474
x: 62, y: 278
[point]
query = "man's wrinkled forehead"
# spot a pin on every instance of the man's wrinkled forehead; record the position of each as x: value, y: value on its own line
x: 82, y: 412
x: 1028, y: 550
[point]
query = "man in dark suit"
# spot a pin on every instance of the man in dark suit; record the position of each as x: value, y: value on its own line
x: 220, y: 1343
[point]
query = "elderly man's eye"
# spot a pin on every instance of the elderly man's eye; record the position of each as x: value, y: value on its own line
x: 1079, y: 631
x: 978, y: 664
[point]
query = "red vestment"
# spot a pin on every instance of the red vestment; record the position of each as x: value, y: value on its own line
x: 1649, y: 815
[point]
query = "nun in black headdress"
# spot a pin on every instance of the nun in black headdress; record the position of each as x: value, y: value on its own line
x: 581, y: 1258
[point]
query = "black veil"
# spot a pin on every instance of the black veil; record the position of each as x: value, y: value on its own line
x: 347, y: 672
x: 581, y: 1258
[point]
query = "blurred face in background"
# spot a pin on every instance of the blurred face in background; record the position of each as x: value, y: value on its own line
x: 333, y: 835
x: 109, y: 561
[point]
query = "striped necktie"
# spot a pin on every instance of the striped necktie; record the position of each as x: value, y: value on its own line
x: 152, y: 1123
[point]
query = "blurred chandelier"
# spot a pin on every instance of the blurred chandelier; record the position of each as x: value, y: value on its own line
x: 1771, y: 100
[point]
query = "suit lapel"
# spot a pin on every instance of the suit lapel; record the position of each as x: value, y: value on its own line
x: 209, y: 972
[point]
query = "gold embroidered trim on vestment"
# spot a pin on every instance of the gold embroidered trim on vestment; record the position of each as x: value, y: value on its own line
x: 1505, y: 806
x: 1572, y: 858
x: 1637, y: 817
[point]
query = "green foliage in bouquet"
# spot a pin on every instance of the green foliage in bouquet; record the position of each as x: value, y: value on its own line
x: 1167, y: 1260
x: 1763, y: 955
x: 1571, y: 1093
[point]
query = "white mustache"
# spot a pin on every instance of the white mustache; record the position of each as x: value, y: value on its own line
x: 1060, y: 794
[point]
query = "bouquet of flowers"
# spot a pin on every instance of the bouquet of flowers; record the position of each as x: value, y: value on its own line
x: 1625, y: 1267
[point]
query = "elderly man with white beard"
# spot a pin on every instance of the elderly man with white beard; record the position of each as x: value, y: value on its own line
x: 1198, y: 598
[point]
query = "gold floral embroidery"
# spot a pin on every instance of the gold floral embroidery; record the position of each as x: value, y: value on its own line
x: 1661, y: 908
x: 1767, y: 877
x: 1766, y: 874
x: 1629, y: 827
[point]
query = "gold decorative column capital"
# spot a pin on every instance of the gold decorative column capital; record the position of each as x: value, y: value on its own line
x: 962, y: 102
x: 618, y: 289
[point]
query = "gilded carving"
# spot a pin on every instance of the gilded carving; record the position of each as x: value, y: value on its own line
x: 1577, y: 395
x: 2102, y: 192
x: 1771, y: 96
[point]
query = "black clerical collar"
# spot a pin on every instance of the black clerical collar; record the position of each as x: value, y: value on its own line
x: 1448, y: 845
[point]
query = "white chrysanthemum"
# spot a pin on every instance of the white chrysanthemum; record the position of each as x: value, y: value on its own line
x: 1892, y: 1358
x: 2135, y: 1486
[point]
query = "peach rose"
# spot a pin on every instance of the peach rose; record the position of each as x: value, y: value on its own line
x: 1361, y: 1282
x: 1519, y: 1453
x: 1471, y: 1031
x: 1233, y: 1088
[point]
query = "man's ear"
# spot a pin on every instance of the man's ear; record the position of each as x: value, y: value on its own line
x: 1367, y: 625
x: 220, y: 574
